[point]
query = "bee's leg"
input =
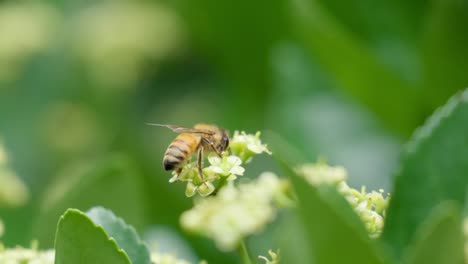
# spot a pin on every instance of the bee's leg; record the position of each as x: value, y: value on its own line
x: 200, y: 163
x: 212, y: 146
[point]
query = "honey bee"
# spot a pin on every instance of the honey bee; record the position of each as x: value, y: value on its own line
x: 199, y: 140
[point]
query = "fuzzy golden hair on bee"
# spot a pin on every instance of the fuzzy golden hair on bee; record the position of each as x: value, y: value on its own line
x: 199, y: 140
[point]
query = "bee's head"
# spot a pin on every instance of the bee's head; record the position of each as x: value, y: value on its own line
x: 224, y: 144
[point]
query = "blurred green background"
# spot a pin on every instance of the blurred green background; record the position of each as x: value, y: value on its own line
x: 348, y: 81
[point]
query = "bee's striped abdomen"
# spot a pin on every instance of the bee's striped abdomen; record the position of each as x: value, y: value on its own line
x: 180, y: 150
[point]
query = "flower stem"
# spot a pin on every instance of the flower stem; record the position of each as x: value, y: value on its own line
x: 221, y: 184
x: 244, y: 253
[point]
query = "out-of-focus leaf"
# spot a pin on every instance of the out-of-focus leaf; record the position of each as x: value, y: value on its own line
x: 433, y: 170
x: 371, y: 20
x: 440, y: 238
x: 113, y: 183
x: 292, y: 229
x: 354, y: 68
x: 330, y: 224
x: 444, y: 52
x: 79, y: 240
x: 124, y: 234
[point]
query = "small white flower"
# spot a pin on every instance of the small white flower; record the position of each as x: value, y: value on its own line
x: 159, y: 258
x: 174, y: 177
x: 321, y: 173
x: 26, y: 255
x: 373, y: 221
x: 379, y: 203
x: 275, y: 257
x: 190, y: 189
x: 226, y: 166
x: 195, y: 184
x: 205, y: 189
x: 246, y: 145
x: 235, y: 212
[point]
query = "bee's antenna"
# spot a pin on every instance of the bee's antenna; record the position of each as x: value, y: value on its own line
x: 179, y: 129
x: 152, y: 124
x: 176, y: 129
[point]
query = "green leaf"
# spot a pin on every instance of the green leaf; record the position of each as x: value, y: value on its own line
x: 334, y: 231
x: 440, y: 238
x: 355, y: 68
x: 433, y: 170
x: 366, y: 19
x: 79, y: 240
x: 124, y: 234
x: 291, y: 228
x: 443, y: 50
x: 111, y: 182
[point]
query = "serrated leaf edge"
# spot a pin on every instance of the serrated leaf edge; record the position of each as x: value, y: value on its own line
x: 423, y: 132
x: 97, y: 227
x: 124, y: 225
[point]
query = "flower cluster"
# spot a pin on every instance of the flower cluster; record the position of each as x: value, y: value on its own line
x: 165, y: 258
x: 320, y: 173
x: 20, y: 255
x: 275, y: 257
x: 226, y: 168
x: 370, y: 206
x: 32, y: 255
x: 159, y: 258
x: 222, y: 169
x: 245, y: 145
x: 236, y: 212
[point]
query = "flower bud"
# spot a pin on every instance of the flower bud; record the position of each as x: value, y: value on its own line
x: 205, y: 189
x: 190, y: 190
x: 275, y: 257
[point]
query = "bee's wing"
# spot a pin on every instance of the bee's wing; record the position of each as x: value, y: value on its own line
x: 179, y: 129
